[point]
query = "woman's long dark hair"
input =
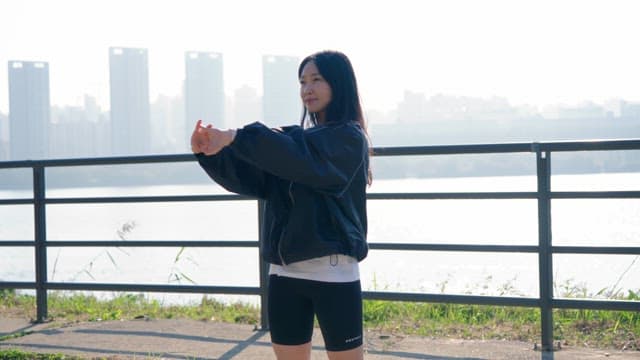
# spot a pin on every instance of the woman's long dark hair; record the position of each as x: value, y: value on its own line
x: 344, y: 106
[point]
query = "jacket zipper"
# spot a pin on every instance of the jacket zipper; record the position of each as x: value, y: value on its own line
x: 280, y: 242
x: 290, y: 193
x: 280, y: 253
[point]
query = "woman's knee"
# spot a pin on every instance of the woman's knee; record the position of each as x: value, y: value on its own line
x: 292, y: 352
x: 352, y: 354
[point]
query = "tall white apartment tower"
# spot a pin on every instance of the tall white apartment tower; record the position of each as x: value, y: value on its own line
x: 281, y: 104
x: 204, y: 90
x: 29, y: 110
x: 130, y: 112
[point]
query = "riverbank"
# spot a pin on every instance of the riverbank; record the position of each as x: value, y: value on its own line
x: 578, y: 328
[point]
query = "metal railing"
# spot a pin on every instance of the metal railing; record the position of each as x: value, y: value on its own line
x: 545, y: 249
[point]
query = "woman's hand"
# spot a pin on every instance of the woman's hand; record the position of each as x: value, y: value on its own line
x: 209, y: 140
x: 198, y: 138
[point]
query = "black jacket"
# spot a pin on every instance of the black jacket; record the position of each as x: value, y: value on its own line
x: 313, y: 182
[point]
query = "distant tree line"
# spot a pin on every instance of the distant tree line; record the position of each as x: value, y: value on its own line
x: 412, y: 134
x: 383, y: 168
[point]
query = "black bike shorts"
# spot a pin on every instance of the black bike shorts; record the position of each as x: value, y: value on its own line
x: 338, y: 307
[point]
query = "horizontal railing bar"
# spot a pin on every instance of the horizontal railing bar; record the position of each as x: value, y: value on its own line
x: 146, y: 199
x: 452, y: 299
x: 618, y: 305
x: 252, y: 243
x: 452, y: 195
x: 453, y: 247
x: 611, y: 250
x: 152, y: 243
x: 114, y: 160
x: 17, y: 243
x: 255, y: 244
x: 370, y: 196
x: 235, y: 290
x: 591, y: 145
x: 232, y: 197
x: 452, y: 149
x: 16, y: 202
x: 594, y: 194
x: 17, y: 285
x: 579, y: 145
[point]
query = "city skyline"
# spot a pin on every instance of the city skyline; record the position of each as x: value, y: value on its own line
x: 529, y: 52
x: 85, y: 131
x: 134, y: 125
x: 289, y: 63
x: 226, y: 92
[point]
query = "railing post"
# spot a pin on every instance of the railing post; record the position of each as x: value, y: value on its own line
x: 264, y: 272
x: 40, y: 234
x: 545, y: 254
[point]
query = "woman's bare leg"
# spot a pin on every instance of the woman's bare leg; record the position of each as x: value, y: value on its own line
x: 353, y: 354
x: 293, y: 352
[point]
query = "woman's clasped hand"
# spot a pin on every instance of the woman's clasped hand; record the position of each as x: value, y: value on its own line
x: 209, y: 140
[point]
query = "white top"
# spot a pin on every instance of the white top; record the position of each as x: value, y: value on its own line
x: 332, y: 268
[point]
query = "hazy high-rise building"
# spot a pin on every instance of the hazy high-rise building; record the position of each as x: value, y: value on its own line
x: 281, y: 104
x: 4, y: 127
x: 100, y: 128
x: 28, y: 109
x: 167, y: 119
x: 4, y: 137
x: 203, y: 90
x: 92, y: 108
x: 129, y: 85
x: 413, y: 108
x: 246, y: 106
x: 70, y: 133
x: 630, y: 110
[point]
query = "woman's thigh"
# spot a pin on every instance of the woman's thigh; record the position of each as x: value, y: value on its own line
x: 290, y: 311
x: 338, y: 307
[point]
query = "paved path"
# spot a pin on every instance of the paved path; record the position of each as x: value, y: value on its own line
x: 189, y: 339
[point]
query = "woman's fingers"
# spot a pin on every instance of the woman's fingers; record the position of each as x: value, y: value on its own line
x: 208, y: 140
x: 198, y: 138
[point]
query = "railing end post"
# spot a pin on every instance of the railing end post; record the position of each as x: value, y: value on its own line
x: 40, y: 237
x: 42, y: 308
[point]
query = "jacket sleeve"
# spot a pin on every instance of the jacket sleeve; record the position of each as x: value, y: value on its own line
x: 326, y: 158
x: 234, y: 174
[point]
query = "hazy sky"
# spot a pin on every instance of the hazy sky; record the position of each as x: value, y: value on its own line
x: 537, y: 52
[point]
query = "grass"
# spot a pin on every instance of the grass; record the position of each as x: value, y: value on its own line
x: 14, y: 354
x: 600, y: 329
x: 15, y: 335
x: 71, y: 307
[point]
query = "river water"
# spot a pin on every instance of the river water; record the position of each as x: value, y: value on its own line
x: 592, y: 222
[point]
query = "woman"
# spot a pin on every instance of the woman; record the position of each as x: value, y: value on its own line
x: 313, y: 180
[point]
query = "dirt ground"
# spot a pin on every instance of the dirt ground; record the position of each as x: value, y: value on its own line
x: 190, y: 339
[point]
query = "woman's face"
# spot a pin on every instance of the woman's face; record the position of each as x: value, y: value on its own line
x: 314, y: 91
